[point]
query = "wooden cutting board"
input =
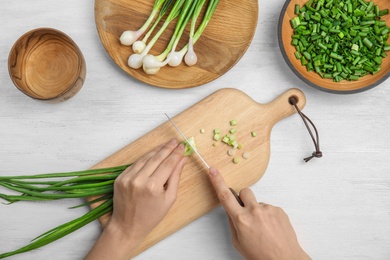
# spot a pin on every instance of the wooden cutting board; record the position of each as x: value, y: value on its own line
x: 196, y: 195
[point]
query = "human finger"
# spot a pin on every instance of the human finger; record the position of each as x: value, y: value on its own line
x: 172, y: 184
x: 248, y: 197
x: 140, y: 162
x: 153, y: 162
x: 168, y: 165
x: 224, y: 194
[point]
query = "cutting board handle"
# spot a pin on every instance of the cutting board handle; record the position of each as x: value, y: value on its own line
x: 281, y: 107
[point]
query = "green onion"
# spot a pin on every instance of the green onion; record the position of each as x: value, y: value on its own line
x: 64, y: 229
x: 233, y: 122
x: 97, y: 183
x: 295, y: 22
x: 184, y: 11
x: 246, y: 155
x: 139, y: 46
x: 383, y: 12
x: 135, y: 60
x: 297, y: 8
x: 67, y: 174
x: 236, y: 160
x: 187, y: 50
x: 54, y: 186
x: 188, y: 146
x: 340, y: 40
x: 129, y: 37
x: 225, y: 139
x: 151, y: 63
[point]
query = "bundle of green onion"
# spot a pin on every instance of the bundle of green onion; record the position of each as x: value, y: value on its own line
x: 185, y: 11
x: 53, y: 186
x: 340, y: 39
x: 97, y: 183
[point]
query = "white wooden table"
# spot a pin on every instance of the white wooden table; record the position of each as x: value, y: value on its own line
x: 339, y: 205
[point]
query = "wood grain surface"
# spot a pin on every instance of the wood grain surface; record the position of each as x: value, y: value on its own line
x: 195, y: 196
x: 45, y: 64
x: 312, y: 78
x: 221, y: 45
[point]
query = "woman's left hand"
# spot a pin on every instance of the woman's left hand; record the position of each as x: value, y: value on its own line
x: 143, y: 195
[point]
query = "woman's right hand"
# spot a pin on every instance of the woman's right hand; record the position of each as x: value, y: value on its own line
x: 259, y: 231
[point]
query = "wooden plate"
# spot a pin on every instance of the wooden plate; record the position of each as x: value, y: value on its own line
x: 313, y: 79
x: 222, y: 44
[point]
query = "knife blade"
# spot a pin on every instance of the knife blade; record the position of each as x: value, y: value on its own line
x: 185, y: 138
x: 201, y: 158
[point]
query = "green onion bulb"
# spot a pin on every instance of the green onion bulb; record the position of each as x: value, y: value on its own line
x: 190, y: 58
x: 129, y: 37
x: 138, y: 46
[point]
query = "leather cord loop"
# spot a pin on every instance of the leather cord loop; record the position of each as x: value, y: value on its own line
x: 316, y: 140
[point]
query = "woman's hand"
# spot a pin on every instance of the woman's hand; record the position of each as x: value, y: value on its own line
x: 145, y: 192
x: 143, y: 195
x: 259, y: 231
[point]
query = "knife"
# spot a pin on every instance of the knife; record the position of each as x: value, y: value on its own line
x: 200, y: 157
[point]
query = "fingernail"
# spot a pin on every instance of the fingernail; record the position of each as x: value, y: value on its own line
x: 213, y: 171
x: 173, y: 141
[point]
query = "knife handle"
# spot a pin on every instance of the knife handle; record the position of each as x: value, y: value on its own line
x: 237, y: 197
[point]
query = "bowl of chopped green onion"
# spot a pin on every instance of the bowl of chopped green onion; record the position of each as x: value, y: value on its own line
x: 336, y: 46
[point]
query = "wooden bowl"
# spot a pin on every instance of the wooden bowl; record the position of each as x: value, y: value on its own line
x: 47, y: 64
x: 285, y: 32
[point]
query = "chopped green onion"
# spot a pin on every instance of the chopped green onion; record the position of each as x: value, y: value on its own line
x: 231, y: 152
x: 383, y: 12
x: 368, y: 43
x: 233, y: 143
x: 340, y: 40
x: 225, y: 139
x: 297, y: 9
x: 246, y: 155
x: 188, y: 146
x: 295, y: 22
